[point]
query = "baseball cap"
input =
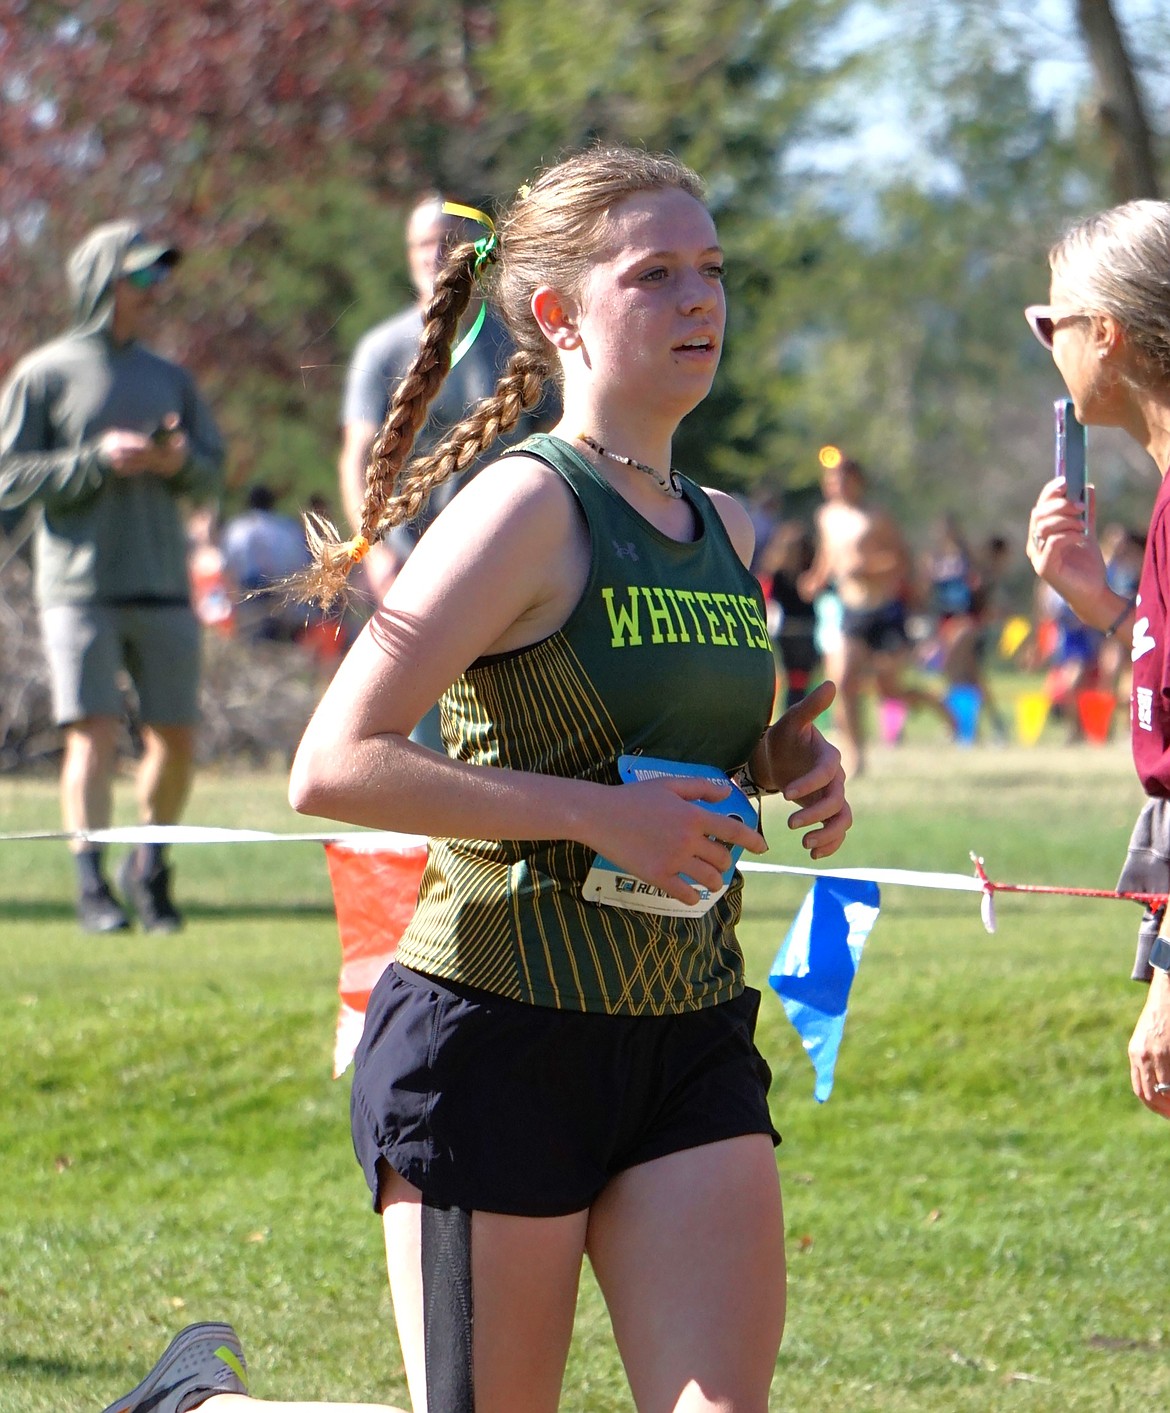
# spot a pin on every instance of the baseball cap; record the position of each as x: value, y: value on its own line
x: 142, y: 254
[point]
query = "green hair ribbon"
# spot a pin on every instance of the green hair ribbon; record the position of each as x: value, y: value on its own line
x: 486, y: 252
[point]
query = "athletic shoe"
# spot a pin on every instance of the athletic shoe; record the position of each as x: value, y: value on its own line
x: 199, y: 1361
x: 99, y: 911
x: 150, y: 896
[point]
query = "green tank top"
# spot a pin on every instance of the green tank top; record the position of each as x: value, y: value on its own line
x: 666, y: 653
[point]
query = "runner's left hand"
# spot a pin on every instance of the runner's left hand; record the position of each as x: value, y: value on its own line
x: 794, y: 759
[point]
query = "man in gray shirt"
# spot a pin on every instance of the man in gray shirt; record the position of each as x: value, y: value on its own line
x: 103, y: 437
x: 379, y: 363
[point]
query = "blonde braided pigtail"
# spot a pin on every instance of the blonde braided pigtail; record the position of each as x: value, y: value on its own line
x: 417, y: 390
x: 519, y: 389
x: 333, y: 557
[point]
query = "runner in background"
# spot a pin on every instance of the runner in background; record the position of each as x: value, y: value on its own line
x: 862, y: 554
x: 792, y: 620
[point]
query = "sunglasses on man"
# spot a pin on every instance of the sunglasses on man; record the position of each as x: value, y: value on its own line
x: 148, y: 278
x: 1045, y: 319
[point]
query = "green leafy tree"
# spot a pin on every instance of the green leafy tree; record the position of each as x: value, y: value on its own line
x: 729, y: 89
x: 952, y: 400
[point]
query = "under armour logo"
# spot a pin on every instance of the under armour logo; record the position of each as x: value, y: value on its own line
x: 625, y: 549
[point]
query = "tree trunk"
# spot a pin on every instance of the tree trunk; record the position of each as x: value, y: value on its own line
x: 1124, y: 125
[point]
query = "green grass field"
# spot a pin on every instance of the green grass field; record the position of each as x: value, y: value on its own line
x: 975, y: 1217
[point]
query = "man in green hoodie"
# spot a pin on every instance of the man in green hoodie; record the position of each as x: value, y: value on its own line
x: 105, y: 438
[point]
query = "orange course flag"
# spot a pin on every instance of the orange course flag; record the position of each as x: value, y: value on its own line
x: 375, y: 887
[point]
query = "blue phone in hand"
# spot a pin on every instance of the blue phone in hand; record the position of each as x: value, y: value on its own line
x: 1071, y: 455
x: 611, y: 886
x: 735, y: 805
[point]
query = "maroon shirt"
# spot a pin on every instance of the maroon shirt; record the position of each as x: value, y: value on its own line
x: 1150, y: 702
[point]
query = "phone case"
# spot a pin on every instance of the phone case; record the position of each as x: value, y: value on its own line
x: 614, y: 887
x: 1071, y: 448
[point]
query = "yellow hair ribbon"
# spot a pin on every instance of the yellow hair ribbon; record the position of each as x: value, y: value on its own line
x: 356, y: 549
x: 485, y: 253
x: 469, y: 213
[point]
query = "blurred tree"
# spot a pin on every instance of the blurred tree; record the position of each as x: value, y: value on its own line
x: 258, y: 134
x: 886, y: 179
x: 918, y: 361
x: 731, y: 89
x: 1121, y: 110
x: 1006, y: 150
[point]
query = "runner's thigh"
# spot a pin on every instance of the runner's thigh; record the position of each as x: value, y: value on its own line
x: 689, y: 1253
x: 524, y: 1279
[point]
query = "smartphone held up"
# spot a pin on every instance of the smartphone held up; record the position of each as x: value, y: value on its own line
x: 1071, y: 456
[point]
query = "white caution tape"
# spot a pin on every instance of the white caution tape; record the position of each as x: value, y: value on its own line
x: 909, y: 877
x: 210, y: 834
x: 370, y: 841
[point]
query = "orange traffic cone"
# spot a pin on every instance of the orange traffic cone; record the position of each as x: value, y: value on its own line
x: 1095, y: 707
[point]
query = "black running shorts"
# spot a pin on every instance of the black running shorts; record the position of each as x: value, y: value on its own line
x: 495, y: 1105
x: 882, y: 630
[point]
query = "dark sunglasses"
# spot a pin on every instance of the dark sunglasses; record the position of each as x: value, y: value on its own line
x: 148, y: 278
x: 1043, y: 320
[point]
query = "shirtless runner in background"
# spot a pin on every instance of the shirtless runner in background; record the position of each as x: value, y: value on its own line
x: 863, y: 555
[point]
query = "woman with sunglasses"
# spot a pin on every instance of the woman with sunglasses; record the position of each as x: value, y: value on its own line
x: 1108, y: 328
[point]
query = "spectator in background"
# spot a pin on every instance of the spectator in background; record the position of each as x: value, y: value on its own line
x: 379, y: 363
x: 105, y: 438
x: 862, y: 553
x: 213, y: 594
x: 1072, y: 660
x: 262, y: 548
x: 991, y: 569
x: 970, y: 635
x: 792, y: 620
x: 949, y: 569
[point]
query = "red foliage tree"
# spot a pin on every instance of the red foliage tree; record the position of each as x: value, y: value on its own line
x: 181, y: 114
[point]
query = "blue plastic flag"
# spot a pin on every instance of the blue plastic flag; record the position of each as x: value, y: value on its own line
x: 817, y: 962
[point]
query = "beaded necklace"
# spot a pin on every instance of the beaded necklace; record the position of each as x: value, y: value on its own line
x: 669, y: 484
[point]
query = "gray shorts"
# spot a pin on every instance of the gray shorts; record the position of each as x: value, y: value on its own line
x: 1147, y: 870
x: 88, y: 646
